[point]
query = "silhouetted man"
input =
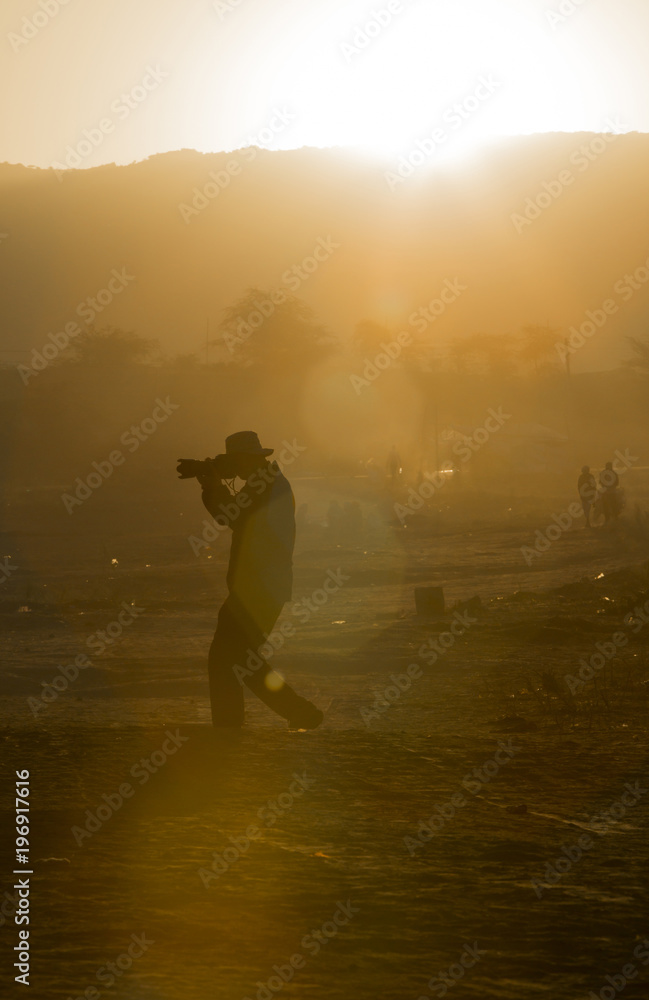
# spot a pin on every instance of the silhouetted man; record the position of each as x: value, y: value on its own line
x: 587, y: 489
x: 260, y: 578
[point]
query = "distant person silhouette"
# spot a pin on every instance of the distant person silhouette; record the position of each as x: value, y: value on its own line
x: 394, y: 465
x: 608, y: 484
x: 587, y: 489
x: 260, y: 578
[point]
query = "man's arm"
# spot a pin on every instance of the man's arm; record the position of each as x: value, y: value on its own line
x: 215, y: 495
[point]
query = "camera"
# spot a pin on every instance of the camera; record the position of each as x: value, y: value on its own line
x: 221, y: 466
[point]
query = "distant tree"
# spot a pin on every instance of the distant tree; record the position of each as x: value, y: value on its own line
x: 484, y: 354
x: 186, y: 362
x: 458, y: 356
x: 499, y: 352
x: 503, y: 354
x: 640, y: 359
x: 466, y: 355
x: 86, y: 397
x: 100, y: 368
x: 538, y: 347
x: 418, y: 355
x: 258, y: 331
x: 109, y: 348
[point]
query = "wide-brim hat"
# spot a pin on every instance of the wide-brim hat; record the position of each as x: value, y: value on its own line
x: 245, y: 443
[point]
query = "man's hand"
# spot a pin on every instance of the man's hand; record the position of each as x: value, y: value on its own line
x: 208, y: 474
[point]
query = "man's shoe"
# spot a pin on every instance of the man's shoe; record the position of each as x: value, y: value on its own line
x: 310, y: 718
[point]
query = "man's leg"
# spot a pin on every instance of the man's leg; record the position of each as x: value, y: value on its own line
x: 228, y: 648
x: 278, y: 695
x: 606, y: 505
x: 257, y: 622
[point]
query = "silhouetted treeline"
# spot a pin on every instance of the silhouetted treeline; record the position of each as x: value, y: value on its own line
x: 114, y: 391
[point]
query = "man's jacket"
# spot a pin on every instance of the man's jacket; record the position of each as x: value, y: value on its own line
x: 262, y: 519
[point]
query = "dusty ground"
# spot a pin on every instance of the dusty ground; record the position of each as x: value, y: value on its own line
x: 371, y: 779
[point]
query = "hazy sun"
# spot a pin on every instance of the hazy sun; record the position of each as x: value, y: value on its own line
x: 394, y: 76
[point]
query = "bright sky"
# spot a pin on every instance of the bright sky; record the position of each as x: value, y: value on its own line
x: 118, y: 80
